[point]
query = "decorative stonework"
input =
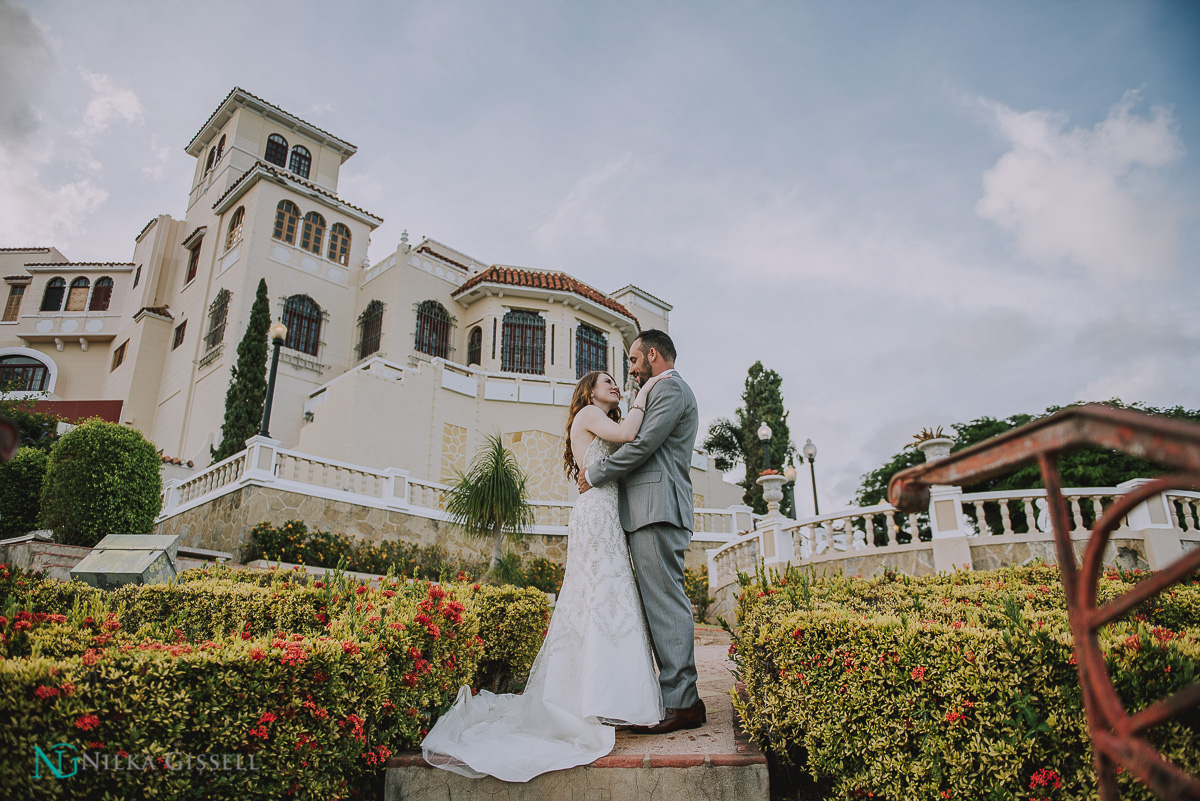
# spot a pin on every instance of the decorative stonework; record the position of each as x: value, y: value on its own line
x: 540, y: 456
x: 698, y: 501
x: 454, y: 450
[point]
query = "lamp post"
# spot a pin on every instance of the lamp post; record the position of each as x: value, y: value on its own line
x: 789, y: 473
x: 764, y: 435
x: 277, y: 333
x: 810, y: 453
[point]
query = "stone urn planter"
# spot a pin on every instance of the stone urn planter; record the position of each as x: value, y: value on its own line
x: 935, y: 448
x: 772, y: 484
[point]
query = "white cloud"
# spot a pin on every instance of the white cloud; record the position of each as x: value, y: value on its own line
x: 157, y: 168
x: 1090, y: 196
x: 109, y: 103
x: 32, y: 213
x: 583, y: 218
x: 25, y: 62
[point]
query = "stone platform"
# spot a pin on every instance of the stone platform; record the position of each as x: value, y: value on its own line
x: 716, y: 762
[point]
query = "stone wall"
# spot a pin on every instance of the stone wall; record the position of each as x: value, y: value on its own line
x: 224, y: 524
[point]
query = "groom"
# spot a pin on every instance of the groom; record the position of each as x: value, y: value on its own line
x: 656, y: 512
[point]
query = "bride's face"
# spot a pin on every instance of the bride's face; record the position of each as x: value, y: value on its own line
x: 606, y: 394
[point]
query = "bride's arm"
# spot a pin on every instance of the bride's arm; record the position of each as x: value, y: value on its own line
x: 606, y: 428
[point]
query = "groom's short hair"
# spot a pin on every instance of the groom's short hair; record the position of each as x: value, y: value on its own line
x: 653, y: 338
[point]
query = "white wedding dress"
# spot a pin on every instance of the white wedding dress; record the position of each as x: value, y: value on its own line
x: 594, y: 669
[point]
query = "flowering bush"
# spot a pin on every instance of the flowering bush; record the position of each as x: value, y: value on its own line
x: 544, y: 574
x: 949, y: 686
x: 320, y: 683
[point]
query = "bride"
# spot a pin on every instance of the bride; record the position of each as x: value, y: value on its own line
x: 594, y: 670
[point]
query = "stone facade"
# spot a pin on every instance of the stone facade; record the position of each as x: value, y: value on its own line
x: 224, y: 524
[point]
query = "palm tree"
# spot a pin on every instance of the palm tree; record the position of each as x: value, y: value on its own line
x: 491, y: 497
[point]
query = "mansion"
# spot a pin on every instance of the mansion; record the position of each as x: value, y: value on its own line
x: 409, y: 361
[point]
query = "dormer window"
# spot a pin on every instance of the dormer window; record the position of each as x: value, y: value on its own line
x: 301, y: 161
x: 277, y: 150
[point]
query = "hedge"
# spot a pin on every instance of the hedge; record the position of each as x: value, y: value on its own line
x: 952, y: 686
x: 319, y: 683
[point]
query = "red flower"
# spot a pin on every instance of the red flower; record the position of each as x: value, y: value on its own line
x: 389, y: 594
x: 257, y: 653
x: 320, y: 677
x: 349, y: 647
x: 91, y: 657
x: 260, y: 732
x: 87, y: 722
x: 318, y: 584
x: 22, y: 625
x: 1045, y: 778
x: 954, y: 717
x: 918, y: 673
x: 361, y: 589
x: 46, y: 692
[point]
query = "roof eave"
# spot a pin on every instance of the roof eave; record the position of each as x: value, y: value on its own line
x: 240, y: 97
x: 486, y: 289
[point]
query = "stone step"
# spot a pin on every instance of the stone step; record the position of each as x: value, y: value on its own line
x: 715, y: 762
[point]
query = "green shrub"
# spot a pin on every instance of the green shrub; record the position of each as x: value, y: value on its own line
x: 20, y: 491
x: 512, y: 623
x: 101, y: 478
x: 695, y: 582
x: 960, y: 684
x: 544, y: 574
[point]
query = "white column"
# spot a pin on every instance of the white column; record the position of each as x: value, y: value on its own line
x: 947, y: 521
x: 1152, y: 519
x: 395, y: 488
x: 260, y: 458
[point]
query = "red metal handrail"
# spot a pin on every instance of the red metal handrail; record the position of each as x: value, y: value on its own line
x: 1117, y: 737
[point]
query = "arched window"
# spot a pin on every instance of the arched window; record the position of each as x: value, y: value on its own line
x: 77, y: 297
x: 314, y: 232
x: 101, y: 295
x: 339, y: 244
x: 287, y: 214
x: 218, y: 312
x: 301, y: 161
x: 235, y: 227
x: 591, y: 350
x: 220, y: 149
x: 277, y: 150
x: 212, y: 156
x: 370, y: 329
x: 433, y: 329
x: 475, y: 346
x: 523, y: 343
x: 22, y: 374
x: 302, y: 316
x: 55, y: 289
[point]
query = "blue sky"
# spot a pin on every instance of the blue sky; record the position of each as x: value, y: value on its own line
x: 917, y: 213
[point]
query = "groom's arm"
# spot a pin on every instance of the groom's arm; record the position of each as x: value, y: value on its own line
x: 663, y: 411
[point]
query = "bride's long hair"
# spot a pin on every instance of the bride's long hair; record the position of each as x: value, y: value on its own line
x: 579, y: 399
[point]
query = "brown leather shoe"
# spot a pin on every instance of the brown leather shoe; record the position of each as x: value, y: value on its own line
x: 692, y: 717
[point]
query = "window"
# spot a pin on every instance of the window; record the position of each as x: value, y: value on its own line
x: 370, y: 329
x: 523, y: 349
x: 302, y: 316
x: 475, y: 346
x: 13, y: 307
x: 218, y: 311
x: 301, y: 161
x: 212, y: 155
x: 287, y: 214
x: 55, y: 289
x: 179, y: 331
x: 77, y: 297
x: 119, y: 356
x: 193, y: 264
x: 101, y: 295
x: 220, y: 149
x: 591, y: 350
x: 22, y: 374
x: 339, y: 244
x: 277, y: 150
x: 314, y: 232
x: 433, y: 329
x: 235, y: 227
x: 137, y: 275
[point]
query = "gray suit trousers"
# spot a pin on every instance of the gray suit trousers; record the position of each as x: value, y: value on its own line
x: 657, y: 551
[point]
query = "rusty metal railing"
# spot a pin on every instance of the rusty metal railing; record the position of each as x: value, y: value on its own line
x: 1117, y: 737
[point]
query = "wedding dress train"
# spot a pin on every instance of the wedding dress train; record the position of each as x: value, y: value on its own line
x: 594, y: 669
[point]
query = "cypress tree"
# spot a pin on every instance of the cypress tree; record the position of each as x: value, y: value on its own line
x: 247, y: 381
x: 733, y: 441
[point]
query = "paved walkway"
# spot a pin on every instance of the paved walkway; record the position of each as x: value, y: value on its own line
x: 713, y: 763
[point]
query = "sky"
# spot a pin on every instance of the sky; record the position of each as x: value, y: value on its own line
x: 917, y: 212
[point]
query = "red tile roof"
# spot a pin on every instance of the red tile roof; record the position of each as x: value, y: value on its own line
x: 78, y: 264
x: 161, y: 311
x: 539, y: 279
x: 176, y: 460
x: 24, y: 250
x: 436, y: 255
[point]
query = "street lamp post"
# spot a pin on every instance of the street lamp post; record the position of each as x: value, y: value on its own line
x: 277, y: 333
x: 764, y: 435
x: 810, y: 453
x: 789, y: 473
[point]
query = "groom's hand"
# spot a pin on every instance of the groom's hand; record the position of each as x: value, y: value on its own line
x: 584, y: 486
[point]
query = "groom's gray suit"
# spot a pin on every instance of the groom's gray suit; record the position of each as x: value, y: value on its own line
x: 656, y: 510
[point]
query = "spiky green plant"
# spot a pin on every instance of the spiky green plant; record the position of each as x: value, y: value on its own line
x: 491, y: 499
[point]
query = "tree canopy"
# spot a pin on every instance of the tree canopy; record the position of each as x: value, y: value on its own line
x: 733, y: 442
x: 247, y: 381
x: 1090, y: 467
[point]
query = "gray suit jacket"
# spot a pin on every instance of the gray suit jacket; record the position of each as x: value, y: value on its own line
x: 655, y: 469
